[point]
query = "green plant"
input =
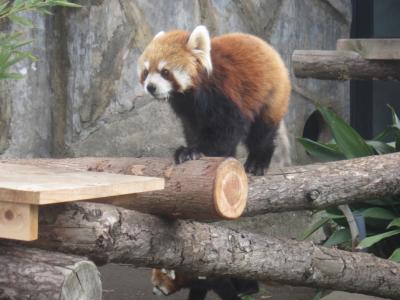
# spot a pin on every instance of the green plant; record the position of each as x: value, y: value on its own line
x: 11, y: 44
x: 381, y: 216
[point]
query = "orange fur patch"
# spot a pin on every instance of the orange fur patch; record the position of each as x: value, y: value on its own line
x: 252, y: 74
x: 245, y: 68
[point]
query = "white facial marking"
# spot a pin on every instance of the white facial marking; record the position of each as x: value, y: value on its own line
x: 159, y: 34
x: 171, y: 274
x: 161, y: 65
x: 141, y: 68
x: 183, y: 78
x: 164, y: 290
x: 157, y: 292
x: 163, y: 87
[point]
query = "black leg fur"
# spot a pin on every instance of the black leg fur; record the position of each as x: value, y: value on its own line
x: 197, y: 293
x: 213, y: 125
x: 223, y: 287
x: 260, y: 144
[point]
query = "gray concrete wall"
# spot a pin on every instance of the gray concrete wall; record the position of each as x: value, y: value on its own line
x: 82, y: 97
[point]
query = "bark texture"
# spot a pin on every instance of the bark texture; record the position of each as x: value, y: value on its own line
x: 37, y: 274
x: 106, y: 233
x: 318, y: 186
x: 342, y: 65
x: 309, y: 187
x: 205, y: 189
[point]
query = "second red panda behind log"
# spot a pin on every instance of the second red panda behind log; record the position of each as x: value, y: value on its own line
x: 166, y: 282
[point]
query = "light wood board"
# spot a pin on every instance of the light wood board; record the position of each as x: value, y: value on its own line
x: 40, y: 185
x: 24, y: 187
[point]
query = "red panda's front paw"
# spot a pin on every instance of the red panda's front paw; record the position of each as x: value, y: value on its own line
x: 254, y: 168
x: 183, y: 154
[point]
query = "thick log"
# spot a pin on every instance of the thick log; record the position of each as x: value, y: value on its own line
x: 342, y: 65
x: 318, y: 186
x: 206, y: 189
x: 37, y: 274
x: 310, y: 187
x: 107, y: 233
x: 387, y: 49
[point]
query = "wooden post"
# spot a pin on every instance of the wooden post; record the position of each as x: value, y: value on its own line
x: 37, y: 274
x: 18, y: 221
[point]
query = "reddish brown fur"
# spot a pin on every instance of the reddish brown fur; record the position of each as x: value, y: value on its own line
x: 245, y: 68
x: 160, y: 279
x: 257, y: 78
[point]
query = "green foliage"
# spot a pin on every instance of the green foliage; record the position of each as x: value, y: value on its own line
x: 12, y: 45
x: 395, y: 255
x: 381, y: 216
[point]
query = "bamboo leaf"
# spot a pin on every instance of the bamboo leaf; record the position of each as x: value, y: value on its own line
x: 349, y: 141
x: 66, y: 4
x: 394, y: 223
x: 320, y: 151
x: 313, y: 228
x: 338, y: 237
x: 378, y: 213
x: 21, y: 20
x: 381, y: 147
x: 395, y: 255
x: 395, y: 118
x: 372, y: 240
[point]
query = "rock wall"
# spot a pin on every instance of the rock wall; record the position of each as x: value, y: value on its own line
x: 82, y: 96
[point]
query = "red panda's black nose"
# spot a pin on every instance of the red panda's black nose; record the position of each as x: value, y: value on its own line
x: 151, y: 88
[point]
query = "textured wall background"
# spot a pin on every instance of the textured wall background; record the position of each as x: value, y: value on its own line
x: 82, y: 97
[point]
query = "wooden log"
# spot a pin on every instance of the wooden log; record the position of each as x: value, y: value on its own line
x: 37, y: 274
x: 107, y: 233
x: 318, y: 186
x: 310, y: 187
x: 206, y: 189
x: 342, y: 65
x: 371, y: 49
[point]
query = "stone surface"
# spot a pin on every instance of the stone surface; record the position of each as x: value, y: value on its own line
x: 349, y: 296
x: 82, y: 97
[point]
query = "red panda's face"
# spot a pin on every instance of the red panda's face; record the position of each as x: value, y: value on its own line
x: 166, y: 282
x: 173, y: 61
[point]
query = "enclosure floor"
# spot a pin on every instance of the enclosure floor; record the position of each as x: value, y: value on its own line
x: 122, y: 282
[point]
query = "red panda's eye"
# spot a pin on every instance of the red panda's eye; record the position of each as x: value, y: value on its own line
x: 145, y: 73
x: 164, y: 73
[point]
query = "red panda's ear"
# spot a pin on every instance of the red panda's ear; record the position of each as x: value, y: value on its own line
x: 200, y: 44
x: 158, y: 34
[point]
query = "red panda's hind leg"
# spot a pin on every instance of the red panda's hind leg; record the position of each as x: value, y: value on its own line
x: 260, y: 144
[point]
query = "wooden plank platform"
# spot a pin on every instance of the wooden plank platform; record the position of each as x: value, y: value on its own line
x: 24, y: 187
x: 372, y: 49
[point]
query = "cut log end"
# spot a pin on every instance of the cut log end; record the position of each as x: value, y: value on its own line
x: 46, y: 275
x: 230, y: 189
x: 84, y: 282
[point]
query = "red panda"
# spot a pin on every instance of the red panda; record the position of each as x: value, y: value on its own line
x: 231, y: 88
x: 166, y: 282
